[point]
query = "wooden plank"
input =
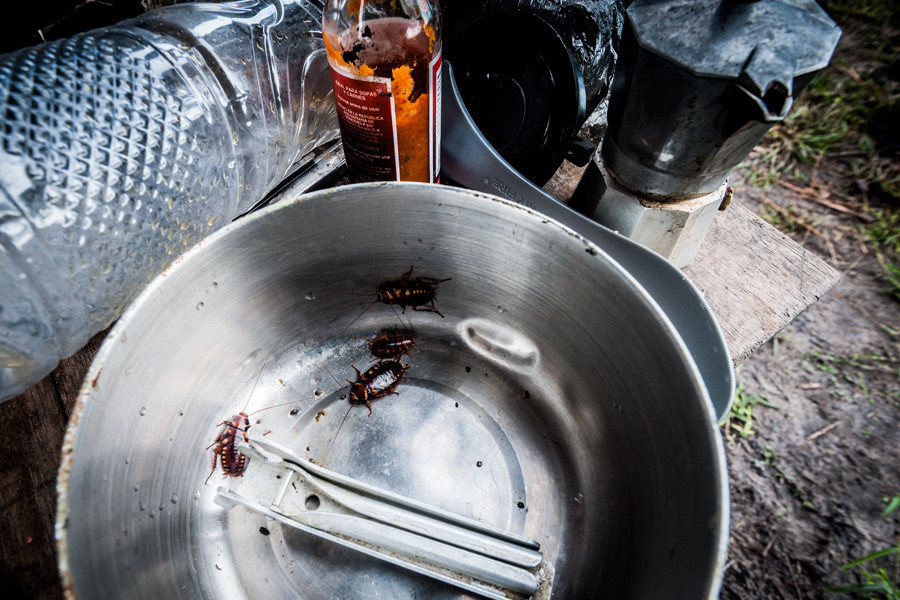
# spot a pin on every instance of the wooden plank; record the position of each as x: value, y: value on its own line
x: 755, y: 278
x: 563, y: 183
x: 31, y: 431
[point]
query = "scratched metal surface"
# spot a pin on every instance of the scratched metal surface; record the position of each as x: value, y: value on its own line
x: 551, y: 400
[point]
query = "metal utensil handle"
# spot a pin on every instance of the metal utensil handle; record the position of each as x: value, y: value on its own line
x: 387, y: 497
x: 469, y: 159
x: 402, y: 531
x: 465, y: 570
x: 376, y: 508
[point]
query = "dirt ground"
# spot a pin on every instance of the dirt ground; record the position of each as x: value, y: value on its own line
x: 815, y: 477
x: 810, y: 483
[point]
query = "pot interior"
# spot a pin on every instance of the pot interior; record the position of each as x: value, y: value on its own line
x: 547, y: 396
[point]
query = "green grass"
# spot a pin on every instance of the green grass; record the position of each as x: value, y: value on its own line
x: 847, y: 121
x: 883, y: 233
x: 835, y: 116
x: 741, y: 420
x: 850, y: 108
x: 854, y: 370
x: 788, y: 220
x: 884, y: 230
x: 893, y: 503
x: 877, y: 574
x: 883, y: 363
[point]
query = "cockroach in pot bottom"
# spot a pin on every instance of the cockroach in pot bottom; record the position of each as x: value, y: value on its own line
x: 417, y: 294
x: 391, y: 345
x: 379, y: 380
x: 226, y: 453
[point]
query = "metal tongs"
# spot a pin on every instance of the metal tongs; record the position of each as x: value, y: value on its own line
x: 462, y: 552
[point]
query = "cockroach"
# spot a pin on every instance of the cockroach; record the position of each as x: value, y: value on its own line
x: 381, y: 379
x: 391, y: 345
x: 233, y: 460
x: 417, y: 294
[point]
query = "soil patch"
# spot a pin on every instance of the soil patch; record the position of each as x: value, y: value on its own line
x: 810, y: 483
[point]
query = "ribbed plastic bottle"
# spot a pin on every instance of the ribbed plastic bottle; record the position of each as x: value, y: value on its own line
x: 123, y: 146
x: 385, y: 58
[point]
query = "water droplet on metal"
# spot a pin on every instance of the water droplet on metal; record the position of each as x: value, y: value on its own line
x: 143, y: 410
x: 200, y: 306
x: 174, y: 499
x: 310, y: 296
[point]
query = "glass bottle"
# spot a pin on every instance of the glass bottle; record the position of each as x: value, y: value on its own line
x: 385, y: 59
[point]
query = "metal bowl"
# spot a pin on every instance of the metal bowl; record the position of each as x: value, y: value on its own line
x: 552, y: 399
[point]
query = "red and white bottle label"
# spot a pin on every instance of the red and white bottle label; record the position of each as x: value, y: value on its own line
x: 368, y: 125
x: 368, y: 122
x: 434, y: 117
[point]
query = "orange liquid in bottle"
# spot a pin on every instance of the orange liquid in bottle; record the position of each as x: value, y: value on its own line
x: 399, y: 55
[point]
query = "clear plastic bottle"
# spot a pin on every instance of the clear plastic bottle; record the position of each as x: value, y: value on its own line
x: 385, y: 58
x: 123, y: 146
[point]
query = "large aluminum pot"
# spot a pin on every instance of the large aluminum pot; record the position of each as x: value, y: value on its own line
x: 552, y: 399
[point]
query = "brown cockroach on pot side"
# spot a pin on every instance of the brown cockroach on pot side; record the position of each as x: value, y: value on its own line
x: 417, y: 294
x: 226, y: 453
